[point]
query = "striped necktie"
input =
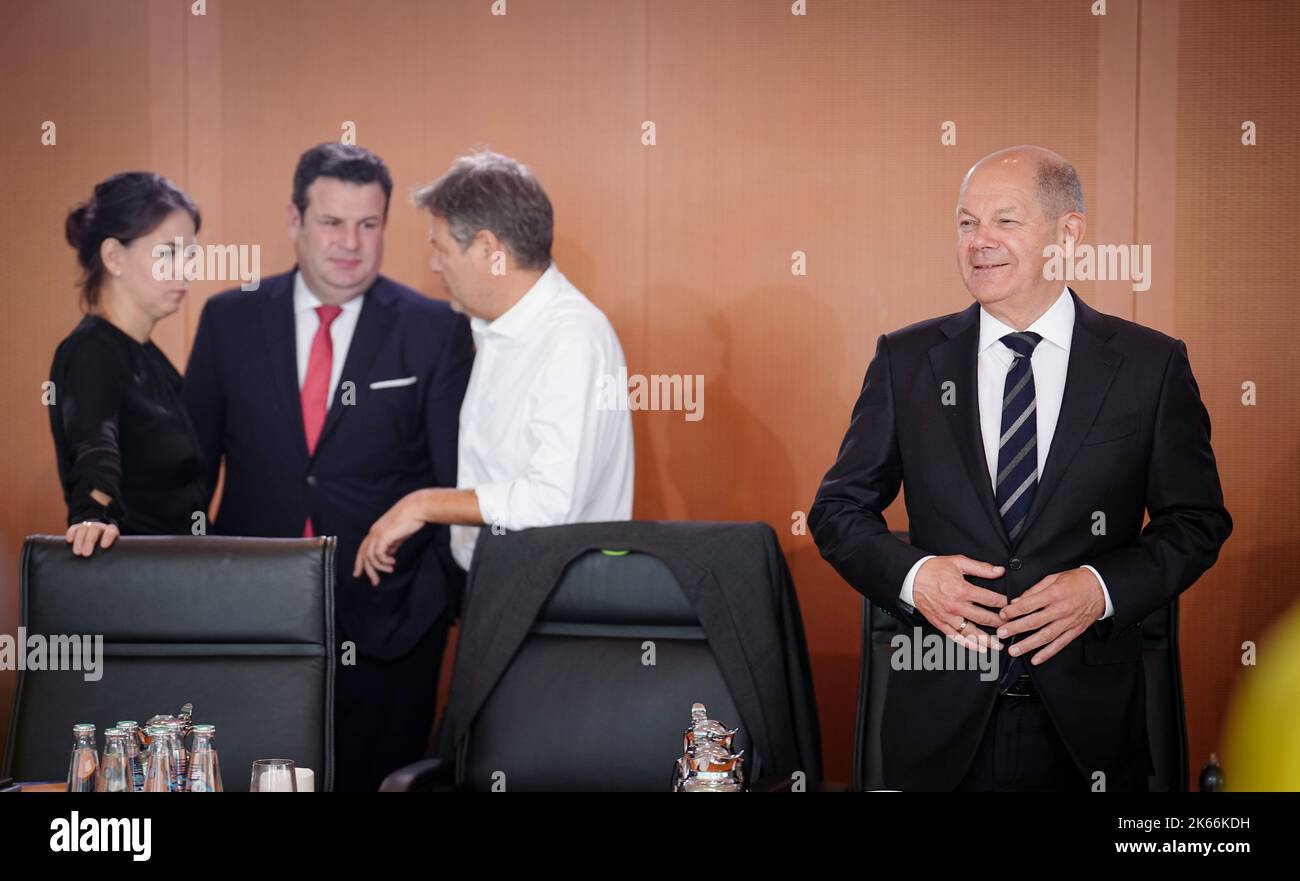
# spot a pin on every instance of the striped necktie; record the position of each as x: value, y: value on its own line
x: 1017, y: 453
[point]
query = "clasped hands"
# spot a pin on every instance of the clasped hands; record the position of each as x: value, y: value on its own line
x: 1057, y: 609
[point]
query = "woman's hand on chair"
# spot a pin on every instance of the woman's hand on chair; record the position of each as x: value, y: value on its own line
x: 85, y: 536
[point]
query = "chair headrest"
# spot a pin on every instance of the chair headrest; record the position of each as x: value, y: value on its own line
x: 205, y: 589
x: 618, y: 587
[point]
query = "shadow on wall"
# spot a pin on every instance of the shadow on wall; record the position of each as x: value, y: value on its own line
x: 767, y: 371
x: 779, y: 392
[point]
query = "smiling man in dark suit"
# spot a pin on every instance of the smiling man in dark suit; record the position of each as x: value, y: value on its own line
x: 331, y: 392
x: 1030, y: 434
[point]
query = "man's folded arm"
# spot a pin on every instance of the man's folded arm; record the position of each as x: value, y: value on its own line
x: 1185, y: 500
x: 847, y: 519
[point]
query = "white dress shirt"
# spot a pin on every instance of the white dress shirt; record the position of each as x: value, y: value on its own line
x: 1049, y: 362
x: 536, y: 445
x: 306, y: 322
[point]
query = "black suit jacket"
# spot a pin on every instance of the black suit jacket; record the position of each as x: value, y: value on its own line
x: 241, y: 388
x: 734, y: 576
x: 1132, y: 437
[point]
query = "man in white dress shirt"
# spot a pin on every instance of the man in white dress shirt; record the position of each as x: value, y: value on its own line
x: 536, y: 447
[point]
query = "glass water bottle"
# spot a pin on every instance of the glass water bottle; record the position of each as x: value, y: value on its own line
x: 115, y: 770
x: 158, y: 773
x: 204, y: 771
x: 133, y: 753
x: 85, y: 762
x: 180, y: 756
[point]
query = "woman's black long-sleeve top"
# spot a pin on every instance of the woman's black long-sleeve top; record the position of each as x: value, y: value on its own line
x: 120, y: 428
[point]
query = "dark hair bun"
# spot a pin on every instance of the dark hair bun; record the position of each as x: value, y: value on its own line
x: 78, y: 225
x: 124, y: 207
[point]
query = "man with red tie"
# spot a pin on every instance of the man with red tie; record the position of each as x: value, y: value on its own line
x: 330, y: 393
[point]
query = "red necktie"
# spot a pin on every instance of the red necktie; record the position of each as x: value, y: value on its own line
x: 316, y: 386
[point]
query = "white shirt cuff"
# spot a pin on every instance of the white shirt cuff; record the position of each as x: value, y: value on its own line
x: 906, y: 593
x: 1110, y: 607
x: 494, y: 501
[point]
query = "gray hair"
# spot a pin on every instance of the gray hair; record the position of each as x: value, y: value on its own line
x: 1059, y: 190
x: 485, y: 190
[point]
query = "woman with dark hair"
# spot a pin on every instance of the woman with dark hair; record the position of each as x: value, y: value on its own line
x: 128, y: 457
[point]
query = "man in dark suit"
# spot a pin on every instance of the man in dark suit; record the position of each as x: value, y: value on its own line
x: 331, y: 392
x: 1030, y: 433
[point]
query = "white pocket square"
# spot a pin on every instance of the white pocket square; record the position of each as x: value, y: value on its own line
x: 393, y: 383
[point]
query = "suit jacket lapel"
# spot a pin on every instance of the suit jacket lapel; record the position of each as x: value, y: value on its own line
x: 956, y: 361
x: 281, y: 343
x: 374, y: 325
x: 1088, y: 377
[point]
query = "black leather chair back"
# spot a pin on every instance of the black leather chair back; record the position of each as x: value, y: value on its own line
x: 1166, y: 714
x: 241, y: 627
x: 580, y: 707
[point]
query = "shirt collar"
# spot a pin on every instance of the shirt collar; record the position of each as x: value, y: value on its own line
x: 304, y: 299
x: 1056, y: 325
x: 519, y: 318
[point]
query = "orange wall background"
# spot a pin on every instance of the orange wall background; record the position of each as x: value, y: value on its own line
x: 774, y: 133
